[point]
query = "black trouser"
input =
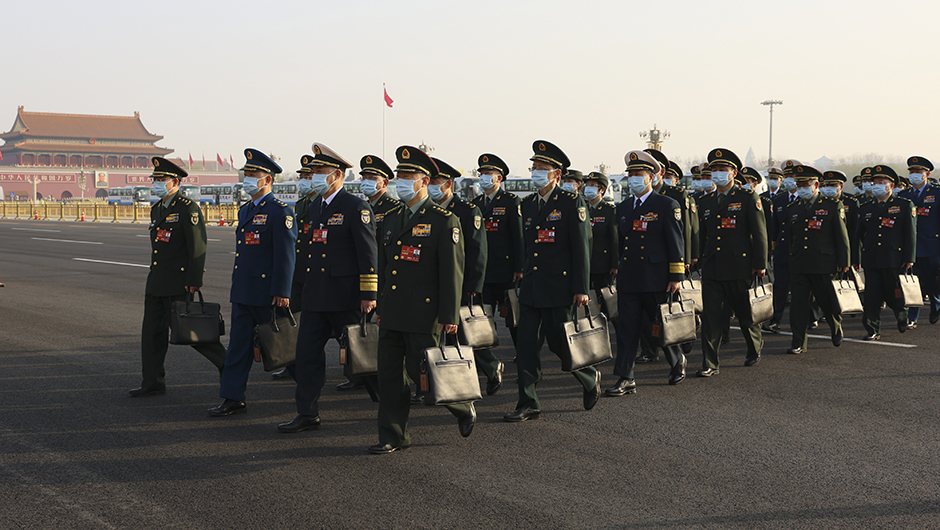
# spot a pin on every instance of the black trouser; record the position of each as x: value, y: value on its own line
x: 309, y: 368
x: 634, y: 309
x: 494, y: 295
x: 781, y: 288
x: 155, y: 337
x: 804, y: 287
x: 881, y: 285
x: 719, y: 297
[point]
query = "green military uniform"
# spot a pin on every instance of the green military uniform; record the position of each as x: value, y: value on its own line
x: 734, y: 243
x: 605, y: 240
x: 819, y: 247
x: 886, y: 238
x: 421, y: 263
x: 303, y: 229
x: 178, y: 241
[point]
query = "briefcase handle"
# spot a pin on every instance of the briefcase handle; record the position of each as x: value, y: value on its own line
x: 759, y: 282
x: 444, y: 343
x: 191, y: 298
x: 470, y: 304
x: 290, y: 317
x: 362, y: 324
x: 587, y: 314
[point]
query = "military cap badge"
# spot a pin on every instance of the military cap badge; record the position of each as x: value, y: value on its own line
x: 156, y: 163
x: 487, y: 159
x: 541, y: 147
x: 717, y: 153
x: 248, y: 155
x: 368, y: 160
x: 316, y: 149
x: 632, y: 156
x: 405, y: 154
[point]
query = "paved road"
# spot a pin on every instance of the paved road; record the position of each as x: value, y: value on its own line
x: 835, y: 438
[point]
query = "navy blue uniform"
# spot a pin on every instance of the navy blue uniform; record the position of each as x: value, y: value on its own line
x: 265, y: 248
x: 340, y: 260
x: 651, y: 255
x: 928, y: 243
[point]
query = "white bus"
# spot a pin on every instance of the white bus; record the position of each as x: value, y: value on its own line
x: 128, y: 195
x: 217, y: 194
x: 285, y: 192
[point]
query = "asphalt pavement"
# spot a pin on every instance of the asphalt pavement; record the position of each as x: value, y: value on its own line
x: 834, y: 438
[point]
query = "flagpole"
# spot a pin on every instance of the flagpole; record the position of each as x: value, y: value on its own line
x: 384, y: 104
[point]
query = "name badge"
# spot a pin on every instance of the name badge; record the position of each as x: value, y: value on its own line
x: 546, y: 236
x: 335, y: 219
x: 410, y: 253
x: 172, y: 218
x: 499, y: 210
x: 554, y: 216
x: 815, y: 224
x: 260, y: 219
x: 923, y: 211
x: 319, y: 235
x: 422, y: 230
x: 492, y: 226
x: 887, y: 222
x: 639, y: 225
x: 728, y: 223
x: 164, y: 235
x: 252, y: 238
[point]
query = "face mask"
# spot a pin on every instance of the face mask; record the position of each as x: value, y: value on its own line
x: 319, y: 183
x: 706, y: 184
x: 655, y: 181
x: 368, y: 188
x: 806, y: 193
x: 250, y: 185
x: 304, y: 187
x: 773, y: 184
x: 867, y: 187
x: 434, y: 190
x: 789, y: 183
x: 746, y: 187
x: 696, y: 185
x: 721, y: 178
x: 880, y: 190
x: 406, y: 192
x: 895, y: 191
x: 540, y: 178
x: 159, y: 189
x: 487, y: 181
x: 591, y: 193
x: 917, y: 178
x: 669, y: 182
x: 569, y: 187
x: 829, y: 191
x: 637, y: 184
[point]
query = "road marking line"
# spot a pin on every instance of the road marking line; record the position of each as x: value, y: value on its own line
x: 111, y: 262
x: 214, y: 240
x: 143, y: 235
x: 68, y: 241
x: 35, y: 230
x: 845, y: 339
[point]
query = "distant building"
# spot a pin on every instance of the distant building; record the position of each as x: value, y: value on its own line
x: 68, y: 152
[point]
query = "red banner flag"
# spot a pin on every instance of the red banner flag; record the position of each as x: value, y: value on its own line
x: 218, y: 158
x: 388, y: 100
x: 1, y: 155
x: 203, y: 160
x: 231, y: 161
x: 190, y: 160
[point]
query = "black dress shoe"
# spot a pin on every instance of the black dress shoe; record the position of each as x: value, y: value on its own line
x: 299, y: 424
x: 623, y: 387
x: 902, y: 325
x: 796, y: 351
x: 466, y: 424
x: 647, y: 359
x: 707, y: 372
x: 591, y: 396
x: 350, y: 385
x: 934, y: 316
x: 752, y: 361
x: 141, y: 392
x: 384, y: 449
x: 771, y: 326
x: 813, y: 325
x: 523, y: 414
x: 912, y: 325
x: 837, y: 337
x: 228, y: 407
x: 872, y: 336
x: 493, y: 385
x: 417, y: 399
x: 677, y: 375
x: 281, y: 374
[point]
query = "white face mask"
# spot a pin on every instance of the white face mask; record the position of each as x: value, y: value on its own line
x: 746, y: 187
x: 159, y: 189
x: 706, y: 184
x: 540, y: 178
x: 406, y: 192
x: 773, y: 184
x: 591, y: 192
x: 806, y: 192
x: 320, y: 185
x: 368, y: 188
x: 867, y: 187
x: 488, y: 181
x: 569, y: 187
x: 304, y: 186
x: 880, y: 190
x: 829, y: 191
x: 789, y: 183
x: 637, y: 184
x: 670, y: 182
x: 917, y: 178
x: 721, y: 178
x: 436, y: 193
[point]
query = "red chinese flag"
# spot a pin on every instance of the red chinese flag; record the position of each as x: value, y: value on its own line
x: 218, y: 158
x: 203, y: 160
x: 190, y: 160
x: 1, y: 155
x: 388, y: 100
x: 231, y: 161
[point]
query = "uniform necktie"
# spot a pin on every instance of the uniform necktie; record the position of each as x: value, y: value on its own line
x: 636, y: 205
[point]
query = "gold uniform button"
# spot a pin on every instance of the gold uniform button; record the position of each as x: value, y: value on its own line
x: 396, y: 257
x: 427, y: 300
x: 564, y: 273
x: 535, y: 255
x: 309, y: 255
x: 626, y: 238
x: 182, y: 268
x: 533, y: 268
x: 398, y: 243
x: 718, y: 238
x: 642, y: 247
x: 239, y: 242
x: 236, y: 266
x: 323, y: 256
x: 624, y: 259
x: 236, y: 254
x: 641, y: 257
x: 243, y: 230
x: 322, y: 270
x: 154, y: 251
x: 308, y: 269
x: 719, y: 248
x: 394, y: 287
x: 394, y: 273
x: 262, y: 276
x: 156, y: 262
x: 805, y: 247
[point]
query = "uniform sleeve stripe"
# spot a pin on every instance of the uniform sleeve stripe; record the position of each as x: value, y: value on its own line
x: 676, y: 268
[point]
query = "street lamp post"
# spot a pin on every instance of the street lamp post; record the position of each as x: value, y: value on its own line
x: 770, y: 148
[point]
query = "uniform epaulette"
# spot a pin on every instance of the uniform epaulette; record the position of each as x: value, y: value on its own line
x: 395, y: 209
x: 438, y: 209
x: 185, y: 201
x: 569, y: 194
x: 531, y: 197
x: 278, y: 201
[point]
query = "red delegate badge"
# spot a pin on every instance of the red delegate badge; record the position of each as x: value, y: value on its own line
x: 639, y: 225
x: 887, y: 222
x: 410, y: 253
x: 492, y: 226
x: 815, y: 224
x: 923, y: 212
x: 546, y: 236
x: 728, y: 223
x: 319, y: 235
x: 252, y: 238
x: 164, y: 235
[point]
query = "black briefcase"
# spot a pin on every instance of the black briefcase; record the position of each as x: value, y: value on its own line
x: 449, y: 375
x: 276, y: 341
x: 194, y: 322
x: 607, y: 296
x: 359, y: 348
x: 675, y: 323
x: 587, y: 341
x: 476, y: 328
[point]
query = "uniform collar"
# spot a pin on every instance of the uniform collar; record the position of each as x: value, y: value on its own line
x: 418, y: 205
x: 446, y: 202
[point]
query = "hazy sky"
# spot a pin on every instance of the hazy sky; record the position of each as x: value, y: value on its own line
x: 855, y: 76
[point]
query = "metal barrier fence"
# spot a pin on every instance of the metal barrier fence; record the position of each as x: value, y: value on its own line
x: 225, y: 214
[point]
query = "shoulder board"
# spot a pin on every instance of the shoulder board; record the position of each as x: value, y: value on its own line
x: 394, y: 209
x: 278, y: 201
x: 569, y: 194
x: 185, y: 201
x: 440, y: 210
x: 531, y: 197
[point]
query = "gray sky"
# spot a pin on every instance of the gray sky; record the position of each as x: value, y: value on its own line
x: 856, y: 76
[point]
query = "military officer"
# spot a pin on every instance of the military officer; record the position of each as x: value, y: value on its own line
x: 305, y: 196
x: 421, y: 261
x: 774, y: 178
x: 178, y: 241
x: 832, y: 187
x: 651, y: 267
x: 605, y: 241
x: 441, y: 191
x: 340, y: 262
x: 866, y: 179
x: 265, y: 252
x: 780, y: 244
x: 924, y: 196
x: 556, y: 275
x: 819, y: 248
x: 886, y: 245
x: 731, y: 219
x: 750, y: 178
x: 571, y: 181
x: 502, y: 221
